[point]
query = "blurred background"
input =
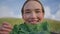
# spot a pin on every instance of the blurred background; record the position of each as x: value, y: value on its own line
x: 10, y: 11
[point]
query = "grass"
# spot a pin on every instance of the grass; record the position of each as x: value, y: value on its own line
x: 12, y: 21
x: 53, y: 24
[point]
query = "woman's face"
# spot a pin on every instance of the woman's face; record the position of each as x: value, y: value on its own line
x: 33, y: 13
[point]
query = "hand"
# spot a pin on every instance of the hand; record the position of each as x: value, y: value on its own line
x: 5, y: 28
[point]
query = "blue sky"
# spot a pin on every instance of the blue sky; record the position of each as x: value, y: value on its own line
x: 12, y: 8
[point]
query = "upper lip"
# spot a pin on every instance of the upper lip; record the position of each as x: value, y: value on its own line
x: 33, y: 20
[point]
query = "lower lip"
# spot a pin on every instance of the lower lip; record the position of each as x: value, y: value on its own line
x: 33, y: 21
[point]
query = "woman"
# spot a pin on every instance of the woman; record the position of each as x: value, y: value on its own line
x: 33, y: 15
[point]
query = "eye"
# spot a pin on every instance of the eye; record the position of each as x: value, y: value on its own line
x: 38, y: 11
x: 27, y: 12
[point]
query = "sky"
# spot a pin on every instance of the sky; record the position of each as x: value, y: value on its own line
x: 12, y: 8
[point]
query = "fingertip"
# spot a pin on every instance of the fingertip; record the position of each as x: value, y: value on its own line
x: 5, y: 23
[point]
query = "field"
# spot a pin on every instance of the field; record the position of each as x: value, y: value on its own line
x: 54, y: 25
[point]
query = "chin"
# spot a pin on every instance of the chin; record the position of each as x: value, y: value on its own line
x: 34, y: 22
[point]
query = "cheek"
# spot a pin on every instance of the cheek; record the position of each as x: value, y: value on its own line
x: 25, y: 17
x: 41, y: 16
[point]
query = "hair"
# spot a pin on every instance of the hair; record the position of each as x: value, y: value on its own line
x: 31, y: 0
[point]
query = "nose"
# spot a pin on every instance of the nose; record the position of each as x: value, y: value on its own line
x: 33, y: 15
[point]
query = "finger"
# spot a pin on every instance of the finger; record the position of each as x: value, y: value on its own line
x: 6, y: 23
x: 3, y: 32
x: 7, y: 26
x: 0, y: 27
x: 5, y: 29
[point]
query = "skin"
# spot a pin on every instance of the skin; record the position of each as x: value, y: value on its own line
x: 33, y: 13
x: 5, y: 28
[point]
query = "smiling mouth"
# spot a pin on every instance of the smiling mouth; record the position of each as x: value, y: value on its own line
x: 34, y: 21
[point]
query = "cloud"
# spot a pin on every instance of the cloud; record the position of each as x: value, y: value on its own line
x: 49, y: 15
x: 59, y: 5
x: 6, y: 12
x: 57, y: 15
x: 9, y: 0
x: 47, y: 12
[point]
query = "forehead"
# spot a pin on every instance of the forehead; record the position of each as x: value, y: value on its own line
x: 32, y: 5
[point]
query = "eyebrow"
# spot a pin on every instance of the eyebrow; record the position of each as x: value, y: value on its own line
x: 37, y: 9
x: 30, y: 10
x: 27, y: 10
